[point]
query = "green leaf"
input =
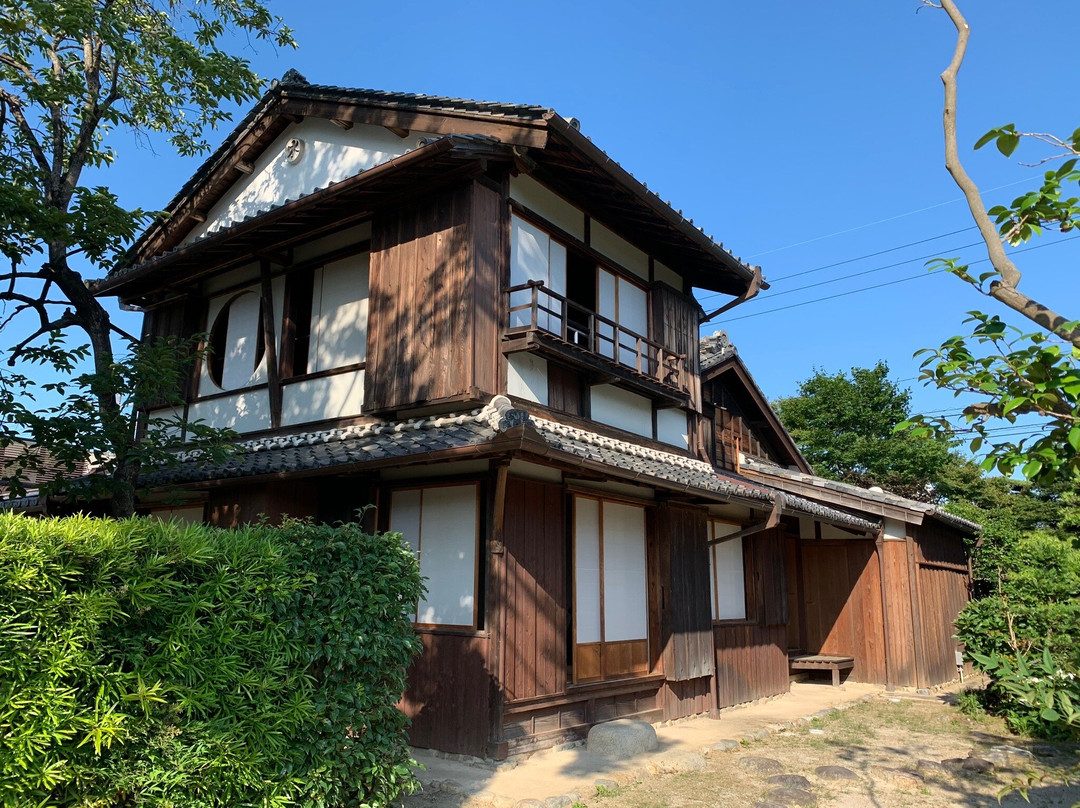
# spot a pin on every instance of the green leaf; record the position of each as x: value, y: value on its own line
x: 1050, y: 714
x: 1007, y: 143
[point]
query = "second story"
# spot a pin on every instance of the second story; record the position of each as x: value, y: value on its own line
x: 353, y: 255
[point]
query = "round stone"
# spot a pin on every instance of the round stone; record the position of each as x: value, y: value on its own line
x: 623, y: 738
x: 789, y: 780
x: 977, y: 765
x: 793, y: 796
x: 835, y: 773
x: 726, y: 745
x: 931, y: 767
x: 760, y: 765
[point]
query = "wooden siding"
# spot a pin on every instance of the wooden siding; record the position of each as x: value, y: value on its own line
x: 751, y: 662
x: 675, y: 326
x: 535, y: 594
x: 683, y: 573
x: 682, y: 699
x: 943, y: 589
x: 899, y: 619
x: 435, y: 269
x: 233, y: 506
x: 766, y: 581
x: 732, y: 429
x: 842, y: 604
x: 448, y: 694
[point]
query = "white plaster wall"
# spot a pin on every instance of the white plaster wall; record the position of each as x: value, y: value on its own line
x: 169, y: 420
x: 249, y: 273
x: 243, y: 412
x: 337, y: 396
x: 671, y: 427
x: 667, y: 275
x: 243, y: 338
x: 618, y: 250
x: 730, y: 579
x: 331, y: 154
x: 537, y: 198
x: 339, y: 313
x: 527, y: 377
x: 335, y: 241
x: 833, y: 532
x: 622, y: 409
x: 895, y: 529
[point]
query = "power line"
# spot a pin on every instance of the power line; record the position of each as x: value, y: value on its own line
x: 886, y: 283
x: 883, y: 221
x: 710, y: 295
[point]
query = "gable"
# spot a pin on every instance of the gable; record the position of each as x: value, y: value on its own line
x: 305, y: 157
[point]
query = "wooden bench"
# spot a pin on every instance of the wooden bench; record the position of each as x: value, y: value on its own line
x: 822, y: 662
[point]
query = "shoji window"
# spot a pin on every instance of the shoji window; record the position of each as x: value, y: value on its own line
x: 535, y: 256
x: 610, y: 594
x: 441, y: 525
x: 627, y: 304
x: 236, y: 342
x: 727, y: 573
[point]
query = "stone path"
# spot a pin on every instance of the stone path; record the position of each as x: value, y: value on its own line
x: 559, y: 777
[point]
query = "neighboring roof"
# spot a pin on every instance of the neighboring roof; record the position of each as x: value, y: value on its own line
x: 779, y: 476
x: 559, y: 149
x: 717, y: 355
x: 420, y: 439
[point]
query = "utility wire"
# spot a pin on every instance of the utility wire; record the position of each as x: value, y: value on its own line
x: 887, y: 283
x: 883, y: 221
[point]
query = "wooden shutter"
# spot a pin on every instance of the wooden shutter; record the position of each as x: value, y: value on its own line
x: 675, y: 326
x: 686, y: 614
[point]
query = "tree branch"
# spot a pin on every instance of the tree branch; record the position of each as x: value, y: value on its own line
x: 66, y: 320
x: 1004, y: 290
x: 14, y: 103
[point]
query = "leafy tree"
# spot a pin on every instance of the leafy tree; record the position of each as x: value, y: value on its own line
x: 1012, y: 372
x: 845, y: 426
x: 73, y: 74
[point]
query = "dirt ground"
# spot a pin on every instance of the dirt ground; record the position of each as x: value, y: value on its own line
x: 882, y: 743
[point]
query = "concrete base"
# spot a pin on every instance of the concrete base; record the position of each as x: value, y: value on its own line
x: 621, y: 739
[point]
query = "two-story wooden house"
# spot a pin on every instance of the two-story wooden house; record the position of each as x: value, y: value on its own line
x: 468, y: 315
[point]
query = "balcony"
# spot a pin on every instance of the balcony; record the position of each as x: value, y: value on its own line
x: 548, y: 323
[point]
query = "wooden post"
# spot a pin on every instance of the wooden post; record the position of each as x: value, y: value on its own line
x: 273, y: 377
x: 890, y: 679
x: 496, y: 610
x: 916, y: 616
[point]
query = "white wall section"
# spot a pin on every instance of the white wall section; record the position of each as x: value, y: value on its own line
x: 625, y: 596
x: 337, y: 396
x: 339, y: 313
x: 330, y: 154
x: 537, y: 198
x: 587, y: 569
x: 622, y: 409
x: 671, y: 427
x: 618, y: 250
x: 729, y: 584
x: 527, y: 377
x: 243, y: 412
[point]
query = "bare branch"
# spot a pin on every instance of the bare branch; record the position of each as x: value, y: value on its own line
x: 14, y: 103
x: 124, y: 333
x: 66, y: 320
x: 1004, y: 290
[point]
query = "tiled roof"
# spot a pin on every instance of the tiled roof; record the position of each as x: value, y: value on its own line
x: 868, y: 494
x: 715, y: 349
x: 311, y: 451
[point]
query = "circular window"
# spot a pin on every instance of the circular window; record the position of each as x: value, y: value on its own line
x: 236, y: 342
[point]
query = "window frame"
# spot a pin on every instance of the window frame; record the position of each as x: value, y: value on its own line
x: 476, y: 569
x: 601, y: 500
x: 714, y: 588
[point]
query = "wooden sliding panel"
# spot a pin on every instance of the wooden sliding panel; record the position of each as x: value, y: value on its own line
x: 675, y: 326
x: 899, y: 623
x: 686, y: 615
x: 534, y: 537
x: 610, y: 593
x: 943, y: 590
x: 433, y: 327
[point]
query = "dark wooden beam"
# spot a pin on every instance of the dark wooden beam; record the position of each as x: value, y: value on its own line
x: 269, y: 336
x: 399, y: 131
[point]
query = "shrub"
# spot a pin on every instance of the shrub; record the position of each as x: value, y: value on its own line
x: 155, y: 664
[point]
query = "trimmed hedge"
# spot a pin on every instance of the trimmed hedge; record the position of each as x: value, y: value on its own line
x: 158, y: 664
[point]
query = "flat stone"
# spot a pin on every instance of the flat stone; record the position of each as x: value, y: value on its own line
x: 931, y: 767
x: 606, y: 784
x: 760, y: 765
x: 816, y: 731
x: 622, y: 738
x: 1012, y: 750
x: 769, y: 805
x: 726, y: 745
x: 1045, y: 750
x: 561, y: 801
x: 835, y: 773
x: 789, y: 780
x: 529, y: 804
x: 977, y: 765
x: 451, y: 787
x: 997, y: 758
x: 792, y: 796
x: 482, y: 799
x: 953, y: 764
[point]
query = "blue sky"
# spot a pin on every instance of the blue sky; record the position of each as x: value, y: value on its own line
x: 799, y: 134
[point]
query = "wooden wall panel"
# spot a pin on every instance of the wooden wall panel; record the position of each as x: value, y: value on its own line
x: 683, y: 699
x: 898, y: 621
x: 792, y: 565
x: 675, y: 326
x: 535, y: 596
x: 489, y: 222
x: 432, y: 292
x: 448, y: 695
x: 233, y: 506
x: 943, y: 589
x: 751, y: 662
x: 842, y: 604
x: 686, y: 640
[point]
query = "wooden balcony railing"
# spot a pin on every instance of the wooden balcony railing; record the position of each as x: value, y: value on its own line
x: 534, y: 307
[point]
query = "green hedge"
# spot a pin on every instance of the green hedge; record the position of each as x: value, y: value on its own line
x: 153, y: 664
